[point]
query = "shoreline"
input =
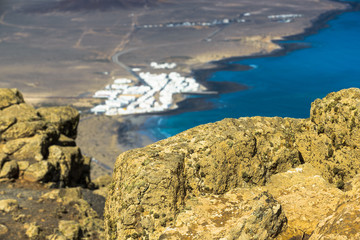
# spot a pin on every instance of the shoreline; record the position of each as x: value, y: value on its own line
x: 136, y: 127
x: 202, y: 74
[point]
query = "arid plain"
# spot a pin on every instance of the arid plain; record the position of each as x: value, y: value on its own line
x: 60, y: 55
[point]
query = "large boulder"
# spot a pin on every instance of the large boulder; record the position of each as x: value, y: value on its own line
x: 70, y: 229
x: 71, y: 165
x: 9, y: 170
x: 6, y: 122
x: 21, y: 112
x: 42, y: 140
x: 66, y: 119
x: 344, y: 223
x: 23, y: 130
x: 10, y: 97
x: 32, y: 148
x: 8, y: 205
x: 208, y: 159
x: 40, y: 171
x: 330, y: 141
x: 32, y: 230
x: 154, y: 188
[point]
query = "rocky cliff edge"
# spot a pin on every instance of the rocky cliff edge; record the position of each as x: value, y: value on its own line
x: 38, y: 145
x: 247, y: 178
x: 44, y: 178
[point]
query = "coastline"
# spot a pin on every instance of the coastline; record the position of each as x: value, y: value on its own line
x: 202, y: 74
x: 132, y: 131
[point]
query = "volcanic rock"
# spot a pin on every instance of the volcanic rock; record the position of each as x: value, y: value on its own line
x: 40, y: 143
x: 70, y: 229
x: 9, y: 97
x: 39, y: 171
x: 32, y: 230
x: 65, y: 119
x: 247, y: 178
x: 30, y: 210
x: 9, y: 170
x: 3, y: 229
x: 344, y: 221
x: 9, y: 205
x: 38, y: 152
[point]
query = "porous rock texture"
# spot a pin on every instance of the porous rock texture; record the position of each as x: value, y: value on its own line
x: 247, y: 178
x: 37, y: 154
x: 344, y: 222
x: 30, y: 210
x: 39, y: 144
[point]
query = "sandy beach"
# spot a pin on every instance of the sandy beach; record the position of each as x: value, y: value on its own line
x: 65, y: 56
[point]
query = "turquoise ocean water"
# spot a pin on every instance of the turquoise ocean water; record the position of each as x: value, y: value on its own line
x: 281, y: 86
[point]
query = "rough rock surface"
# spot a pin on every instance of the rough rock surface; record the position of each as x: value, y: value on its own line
x: 32, y: 230
x: 38, y: 145
x: 38, y: 153
x: 9, y: 97
x: 101, y: 184
x: 66, y: 119
x: 3, y: 229
x: 32, y: 210
x: 333, y: 143
x: 238, y: 214
x: 305, y: 196
x: 344, y: 222
x: 247, y: 178
x: 8, y: 205
x: 70, y: 229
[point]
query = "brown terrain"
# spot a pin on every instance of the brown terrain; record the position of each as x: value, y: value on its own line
x: 65, y: 51
x: 61, y: 52
x: 104, y: 138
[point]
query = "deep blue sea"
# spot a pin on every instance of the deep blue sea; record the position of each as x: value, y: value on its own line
x: 281, y: 86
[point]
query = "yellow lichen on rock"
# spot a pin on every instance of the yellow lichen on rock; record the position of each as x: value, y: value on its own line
x: 205, y: 183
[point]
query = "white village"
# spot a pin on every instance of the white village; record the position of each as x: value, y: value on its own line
x: 154, y: 93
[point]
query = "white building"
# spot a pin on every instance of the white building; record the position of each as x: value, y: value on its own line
x: 156, y: 65
x: 157, y: 96
x: 122, y: 81
x: 99, y: 109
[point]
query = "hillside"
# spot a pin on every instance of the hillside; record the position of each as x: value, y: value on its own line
x: 92, y: 5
